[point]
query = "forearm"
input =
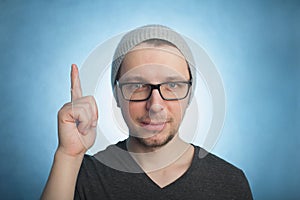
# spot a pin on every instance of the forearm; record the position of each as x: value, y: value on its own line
x: 62, y: 179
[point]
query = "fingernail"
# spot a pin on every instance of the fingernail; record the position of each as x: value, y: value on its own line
x: 73, y: 66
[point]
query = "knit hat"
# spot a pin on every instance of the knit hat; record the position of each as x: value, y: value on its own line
x: 144, y: 33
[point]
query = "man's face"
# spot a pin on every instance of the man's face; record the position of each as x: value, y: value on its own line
x: 155, y: 121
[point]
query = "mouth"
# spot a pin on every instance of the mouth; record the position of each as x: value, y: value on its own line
x: 153, y: 126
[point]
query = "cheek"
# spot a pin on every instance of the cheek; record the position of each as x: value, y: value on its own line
x: 178, y: 109
x: 132, y: 110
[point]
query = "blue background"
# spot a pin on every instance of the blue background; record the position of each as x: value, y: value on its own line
x: 254, y: 44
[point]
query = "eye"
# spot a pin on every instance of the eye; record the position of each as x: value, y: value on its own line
x: 172, y: 85
x: 137, y: 85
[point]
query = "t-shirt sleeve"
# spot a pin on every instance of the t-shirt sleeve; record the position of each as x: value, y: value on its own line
x: 245, y: 187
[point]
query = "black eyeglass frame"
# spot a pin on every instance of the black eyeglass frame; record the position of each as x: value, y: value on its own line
x: 154, y: 86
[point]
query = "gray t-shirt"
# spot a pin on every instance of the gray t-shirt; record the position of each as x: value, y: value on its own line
x: 207, y: 178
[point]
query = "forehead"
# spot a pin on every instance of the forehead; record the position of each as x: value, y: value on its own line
x: 154, y: 63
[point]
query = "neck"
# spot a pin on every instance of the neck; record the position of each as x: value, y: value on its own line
x: 152, y: 159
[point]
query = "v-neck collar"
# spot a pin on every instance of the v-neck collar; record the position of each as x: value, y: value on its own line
x: 176, y: 181
x: 179, y: 179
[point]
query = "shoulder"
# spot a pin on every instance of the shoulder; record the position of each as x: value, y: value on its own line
x: 114, y: 157
x: 105, y: 157
x: 220, y: 174
x: 96, y: 168
x: 220, y: 171
x: 209, y: 160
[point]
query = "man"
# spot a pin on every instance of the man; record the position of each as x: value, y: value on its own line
x: 153, y: 80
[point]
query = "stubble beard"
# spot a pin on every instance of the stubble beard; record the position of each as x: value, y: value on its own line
x: 156, y: 143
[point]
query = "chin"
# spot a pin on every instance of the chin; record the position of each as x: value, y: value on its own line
x: 155, y: 141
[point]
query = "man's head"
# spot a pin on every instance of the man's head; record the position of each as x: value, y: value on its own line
x: 152, y: 75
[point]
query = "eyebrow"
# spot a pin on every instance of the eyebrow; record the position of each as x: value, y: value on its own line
x: 132, y: 78
x: 176, y: 78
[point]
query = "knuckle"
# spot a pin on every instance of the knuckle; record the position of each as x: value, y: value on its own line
x: 63, y: 109
x: 91, y: 99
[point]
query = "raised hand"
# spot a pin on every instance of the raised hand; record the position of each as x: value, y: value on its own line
x: 77, y: 120
x: 77, y: 123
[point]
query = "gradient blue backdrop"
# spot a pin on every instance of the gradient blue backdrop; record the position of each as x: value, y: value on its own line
x: 254, y: 44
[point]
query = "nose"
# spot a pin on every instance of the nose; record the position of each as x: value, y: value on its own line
x: 155, y: 103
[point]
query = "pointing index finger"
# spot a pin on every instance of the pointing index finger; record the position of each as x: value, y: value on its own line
x: 75, y: 83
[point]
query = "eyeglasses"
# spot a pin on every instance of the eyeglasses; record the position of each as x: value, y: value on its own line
x: 169, y: 91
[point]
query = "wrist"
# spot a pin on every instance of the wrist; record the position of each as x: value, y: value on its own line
x: 61, y: 155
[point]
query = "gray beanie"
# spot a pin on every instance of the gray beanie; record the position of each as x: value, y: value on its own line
x: 144, y: 33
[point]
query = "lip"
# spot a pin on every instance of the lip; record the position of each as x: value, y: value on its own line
x: 153, y: 126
